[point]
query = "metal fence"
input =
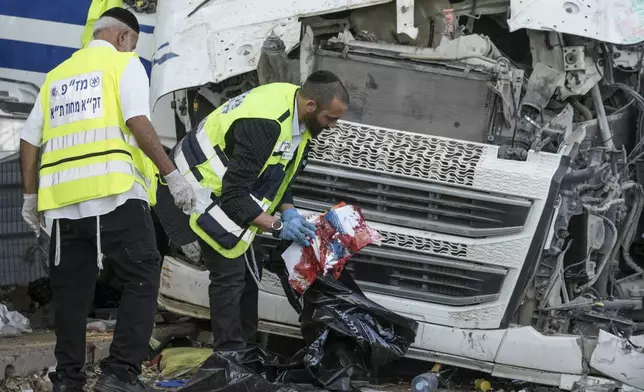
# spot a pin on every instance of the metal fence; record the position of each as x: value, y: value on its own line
x: 21, y: 259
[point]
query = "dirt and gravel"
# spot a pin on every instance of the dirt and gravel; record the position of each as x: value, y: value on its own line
x: 40, y: 382
x: 39, y: 345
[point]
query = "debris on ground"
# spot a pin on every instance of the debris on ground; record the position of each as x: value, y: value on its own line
x: 33, y: 383
x: 425, y: 382
x: 171, y: 384
x: 94, y: 325
x: 12, y: 323
x: 482, y: 385
x: 182, y: 361
x: 449, y: 380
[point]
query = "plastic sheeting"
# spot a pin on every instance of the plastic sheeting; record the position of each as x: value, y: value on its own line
x: 340, y: 233
x: 347, y: 337
x: 12, y: 323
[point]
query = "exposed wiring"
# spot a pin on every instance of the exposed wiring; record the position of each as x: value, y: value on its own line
x: 631, y: 226
x: 594, y: 290
x: 605, y: 207
x: 581, y: 108
x: 577, y: 263
x: 607, y: 255
x: 629, y: 90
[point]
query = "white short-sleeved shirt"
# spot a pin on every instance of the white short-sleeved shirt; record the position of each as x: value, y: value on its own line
x: 298, y: 129
x: 134, y: 101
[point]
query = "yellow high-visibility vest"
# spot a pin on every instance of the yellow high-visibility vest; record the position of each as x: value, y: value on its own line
x: 201, y: 158
x: 88, y: 152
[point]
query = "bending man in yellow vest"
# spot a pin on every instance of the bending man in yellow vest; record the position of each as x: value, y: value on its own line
x: 99, y: 158
x: 245, y: 155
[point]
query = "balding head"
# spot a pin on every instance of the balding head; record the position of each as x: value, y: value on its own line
x: 119, y: 27
x: 324, y: 100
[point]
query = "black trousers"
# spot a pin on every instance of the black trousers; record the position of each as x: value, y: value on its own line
x: 128, y: 239
x: 233, y: 296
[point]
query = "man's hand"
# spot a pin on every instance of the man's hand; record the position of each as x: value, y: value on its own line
x: 290, y: 214
x: 182, y: 192
x: 30, y: 212
x: 296, y: 228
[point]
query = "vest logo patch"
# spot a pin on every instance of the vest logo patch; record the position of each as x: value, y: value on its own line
x: 234, y: 103
x: 284, y: 146
x: 285, y: 149
x: 76, y: 98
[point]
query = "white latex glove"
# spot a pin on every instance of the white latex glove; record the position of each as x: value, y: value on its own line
x: 192, y: 251
x: 30, y: 212
x: 182, y: 192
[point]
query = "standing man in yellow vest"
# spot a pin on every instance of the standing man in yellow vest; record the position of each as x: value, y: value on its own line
x: 245, y: 155
x: 99, y: 158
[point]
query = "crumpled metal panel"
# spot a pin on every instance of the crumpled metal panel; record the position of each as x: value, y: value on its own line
x: 616, y: 21
x: 422, y: 99
x: 620, y: 358
x: 223, y: 38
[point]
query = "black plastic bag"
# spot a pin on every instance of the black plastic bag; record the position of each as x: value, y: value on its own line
x: 378, y: 334
x: 347, y: 337
x: 251, y: 369
x: 340, y: 307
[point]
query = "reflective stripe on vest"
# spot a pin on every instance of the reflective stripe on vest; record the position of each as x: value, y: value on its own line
x: 228, y: 233
x: 196, y: 149
x: 201, y: 157
x: 84, y: 137
x: 88, y: 152
x: 93, y: 170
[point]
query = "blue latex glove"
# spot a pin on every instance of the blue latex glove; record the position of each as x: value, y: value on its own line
x: 290, y: 214
x: 296, y: 228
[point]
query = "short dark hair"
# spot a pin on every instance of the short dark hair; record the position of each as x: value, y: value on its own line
x: 323, y: 87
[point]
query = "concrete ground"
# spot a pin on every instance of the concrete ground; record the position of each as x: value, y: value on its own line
x: 31, y: 353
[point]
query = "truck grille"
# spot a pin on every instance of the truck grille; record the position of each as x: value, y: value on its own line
x: 409, y: 203
x: 415, y: 276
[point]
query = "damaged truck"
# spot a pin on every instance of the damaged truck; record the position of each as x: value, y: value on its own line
x: 496, y: 146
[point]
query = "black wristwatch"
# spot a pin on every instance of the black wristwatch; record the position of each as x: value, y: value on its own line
x: 277, y: 227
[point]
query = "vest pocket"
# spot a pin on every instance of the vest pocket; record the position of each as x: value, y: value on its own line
x: 218, y: 226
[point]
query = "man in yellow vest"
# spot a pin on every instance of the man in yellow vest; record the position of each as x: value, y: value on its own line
x: 245, y: 155
x: 99, y: 162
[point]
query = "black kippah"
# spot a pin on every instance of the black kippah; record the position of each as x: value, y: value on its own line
x: 124, y: 16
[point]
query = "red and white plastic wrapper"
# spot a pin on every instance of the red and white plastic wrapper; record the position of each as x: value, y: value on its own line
x: 341, y: 233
